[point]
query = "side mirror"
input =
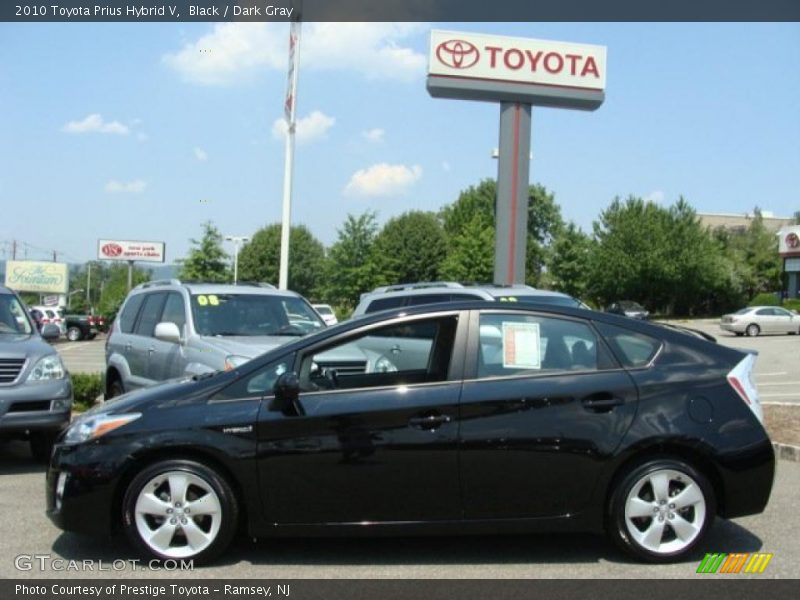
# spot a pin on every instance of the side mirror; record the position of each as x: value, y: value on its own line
x: 50, y: 332
x: 166, y: 331
x: 287, y: 394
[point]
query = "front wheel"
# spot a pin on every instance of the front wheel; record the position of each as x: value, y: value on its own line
x: 660, y: 510
x: 179, y: 509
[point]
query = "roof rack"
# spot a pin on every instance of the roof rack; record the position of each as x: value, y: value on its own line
x: 416, y: 286
x: 157, y: 282
x: 261, y: 284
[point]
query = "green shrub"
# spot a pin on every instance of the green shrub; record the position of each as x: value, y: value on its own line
x: 85, y: 388
x: 765, y: 299
x: 792, y: 304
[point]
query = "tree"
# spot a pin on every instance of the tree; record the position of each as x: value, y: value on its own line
x: 113, y: 286
x: 349, y: 269
x: 259, y: 259
x: 410, y: 248
x: 544, y: 223
x: 470, y: 255
x: 207, y: 260
x: 569, y: 261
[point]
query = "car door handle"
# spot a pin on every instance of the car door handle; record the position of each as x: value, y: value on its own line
x: 602, y: 402
x: 151, y: 349
x: 128, y: 347
x: 429, y: 421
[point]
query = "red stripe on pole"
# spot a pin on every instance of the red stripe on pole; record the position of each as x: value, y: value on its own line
x: 514, y: 192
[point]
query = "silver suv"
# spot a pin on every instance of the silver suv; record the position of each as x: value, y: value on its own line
x: 35, y: 388
x: 168, y: 329
x: 412, y: 294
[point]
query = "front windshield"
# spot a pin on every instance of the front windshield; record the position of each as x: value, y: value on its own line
x: 13, y: 318
x: 253, y: 315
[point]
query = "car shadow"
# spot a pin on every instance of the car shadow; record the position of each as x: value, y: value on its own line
x: 16, y: 459
x: 570, y: 548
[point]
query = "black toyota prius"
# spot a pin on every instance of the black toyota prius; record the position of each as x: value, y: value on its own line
x: 448, y: 418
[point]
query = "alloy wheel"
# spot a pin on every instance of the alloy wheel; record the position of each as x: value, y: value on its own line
x: 178, y: 514
x: 665, y: 511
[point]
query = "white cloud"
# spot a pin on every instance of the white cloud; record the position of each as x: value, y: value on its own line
x: 136, y: 186
x: 200, y: 154
x: 94, y: 123
x: 656, y: 196
x: 233, y: 52
x: 309, y: 128
x: 382, y: 180
x: 374, y: 135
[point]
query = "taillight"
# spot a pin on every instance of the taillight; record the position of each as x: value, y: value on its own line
x: 91, y: 321
x: 741, y: 380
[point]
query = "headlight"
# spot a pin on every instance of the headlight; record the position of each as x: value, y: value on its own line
x: 232, y: 361
x: 384, y: 365
x: 91, y: 427
x: 48, y: 367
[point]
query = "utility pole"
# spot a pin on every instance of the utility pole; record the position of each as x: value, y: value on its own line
x: 13, y: 249
x: 236, y: 239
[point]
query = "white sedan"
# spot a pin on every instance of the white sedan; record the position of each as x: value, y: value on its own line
x: 755, y: 320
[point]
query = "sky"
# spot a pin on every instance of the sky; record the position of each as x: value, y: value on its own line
x: 141, y: 131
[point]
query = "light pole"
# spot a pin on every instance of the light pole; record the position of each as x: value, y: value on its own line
x: 236, y: 239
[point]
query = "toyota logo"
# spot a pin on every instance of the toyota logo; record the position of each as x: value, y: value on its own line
x: 111, y: 249
x: 792, y: 240
x: 458, y: 54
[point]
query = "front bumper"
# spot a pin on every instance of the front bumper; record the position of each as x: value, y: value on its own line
x: 36, y: 406
x: 80, y: 485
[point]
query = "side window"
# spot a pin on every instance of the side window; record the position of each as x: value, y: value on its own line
x: 128, y: 316
x: 256, y: 384
x: 150, y: 314
x: 513, y: 344
x: 765, y: 312
x: 633, y: 349
x: 385, y: 304
x: 175, y: 310
x: 401, y: 354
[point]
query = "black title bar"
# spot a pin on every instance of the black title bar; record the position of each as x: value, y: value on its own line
x: 398, y: 10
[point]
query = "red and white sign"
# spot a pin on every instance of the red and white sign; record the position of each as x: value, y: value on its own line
x: 130, y: 250
x: 789, y: 244
x: 517, y: 60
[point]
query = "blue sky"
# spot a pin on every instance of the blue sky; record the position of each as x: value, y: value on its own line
x: 129, y: 131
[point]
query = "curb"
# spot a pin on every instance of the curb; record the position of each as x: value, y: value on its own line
x: 786, y: 452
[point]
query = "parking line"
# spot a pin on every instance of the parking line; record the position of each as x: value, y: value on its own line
x: 793, y: 395
x: 771, y: 374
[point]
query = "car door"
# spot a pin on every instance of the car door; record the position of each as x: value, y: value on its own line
x: 168, y: 359
x: 543, y: 405
x: 141, y: 345
x: 377, y: 445
x: 784, y: 321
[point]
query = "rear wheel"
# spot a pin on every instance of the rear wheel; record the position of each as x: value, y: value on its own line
x: 74, y: 334
x: 660, y: 510
x: 753, y: 330
x: 180, y: 509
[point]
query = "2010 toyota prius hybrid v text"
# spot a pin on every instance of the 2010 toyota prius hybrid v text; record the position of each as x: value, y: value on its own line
x: 461, y: 417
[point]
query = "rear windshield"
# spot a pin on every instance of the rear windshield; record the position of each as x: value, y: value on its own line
x: 253, y: 315
x: 543, y: 299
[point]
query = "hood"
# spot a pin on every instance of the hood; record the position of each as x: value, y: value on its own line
x: 19, y: 344
x: 248, y: 346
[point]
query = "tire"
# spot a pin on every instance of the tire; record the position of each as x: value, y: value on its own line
x: 676, y: 529
x: 41, y: 443
x: 738, y: 334
x: 156, y: 523
x: 115, y: 389
x: 74, y: 334
x: 753, y: 330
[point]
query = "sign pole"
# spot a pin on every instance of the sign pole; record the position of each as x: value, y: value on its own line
x: 290, y: 113
x: 513, y: 171
x: 130, y: 275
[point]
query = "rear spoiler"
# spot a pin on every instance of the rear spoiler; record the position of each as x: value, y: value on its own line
x: 697, y: 332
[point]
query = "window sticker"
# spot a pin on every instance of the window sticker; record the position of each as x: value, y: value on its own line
x: 202, y: 300
x: 213, y: 300
x: 521, y: 345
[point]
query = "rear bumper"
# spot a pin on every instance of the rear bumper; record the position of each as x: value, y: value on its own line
x: 748, y: 480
